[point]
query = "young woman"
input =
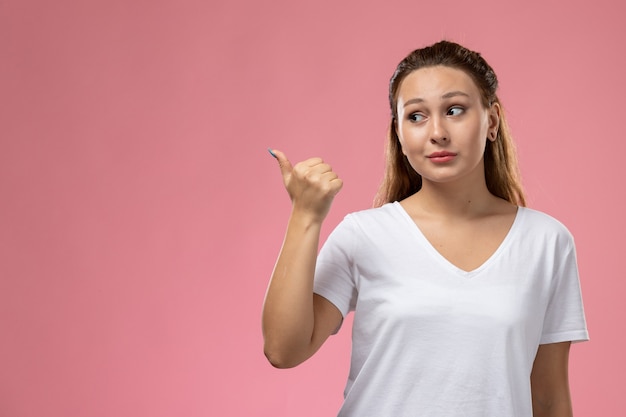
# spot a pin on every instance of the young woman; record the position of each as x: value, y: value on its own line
x: 465, y: 302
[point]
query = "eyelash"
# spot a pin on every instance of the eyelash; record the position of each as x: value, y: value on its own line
x: 448, y: 113
x: 413, y: 115
x: 455, y: 108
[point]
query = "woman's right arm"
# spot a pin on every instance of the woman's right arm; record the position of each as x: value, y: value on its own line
x: 296, y: 322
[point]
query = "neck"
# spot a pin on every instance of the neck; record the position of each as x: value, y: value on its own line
x: 458, y: 199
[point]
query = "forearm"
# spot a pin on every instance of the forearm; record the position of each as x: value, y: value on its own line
x: 558, y: 404
x: 288, y: 314
x: 561, y: 409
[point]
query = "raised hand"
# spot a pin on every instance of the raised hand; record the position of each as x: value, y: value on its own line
x: 296, y: 322
x: 311, y: 184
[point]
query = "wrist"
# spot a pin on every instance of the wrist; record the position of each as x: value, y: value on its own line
x: 306, y: 218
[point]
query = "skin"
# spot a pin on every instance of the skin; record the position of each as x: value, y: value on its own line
x: 295, y: 321
x: 439, y: 109
x: 549, y: 381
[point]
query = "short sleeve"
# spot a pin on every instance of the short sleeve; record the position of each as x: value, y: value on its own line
x: 335, y: 269
x: 565, y: 318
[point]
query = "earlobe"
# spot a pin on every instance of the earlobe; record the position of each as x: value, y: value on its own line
x: 494, y: 121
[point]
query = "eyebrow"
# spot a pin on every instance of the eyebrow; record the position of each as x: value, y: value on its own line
x: 445, y: 96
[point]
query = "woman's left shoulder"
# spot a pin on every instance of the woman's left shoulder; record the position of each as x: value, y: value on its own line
x: 543, y: 223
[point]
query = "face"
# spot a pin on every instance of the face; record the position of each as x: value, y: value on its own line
x: 442, y: 124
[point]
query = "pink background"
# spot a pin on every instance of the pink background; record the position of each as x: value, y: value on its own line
x: 140, y: 213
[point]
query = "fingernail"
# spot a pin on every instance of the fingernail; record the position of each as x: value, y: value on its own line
x: 272, y: 153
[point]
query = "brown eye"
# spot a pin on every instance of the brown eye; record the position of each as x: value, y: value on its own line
x: 455, y: 111
x: 416, y: 117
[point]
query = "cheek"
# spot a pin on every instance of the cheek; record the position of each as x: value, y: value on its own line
x: 484, y: 126
x: 409, y: 136
x: 400, y: 136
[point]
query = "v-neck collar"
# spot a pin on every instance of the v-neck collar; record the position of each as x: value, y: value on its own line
x: 414, y: 228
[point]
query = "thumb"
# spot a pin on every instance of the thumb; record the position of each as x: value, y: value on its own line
x: 283, y: 162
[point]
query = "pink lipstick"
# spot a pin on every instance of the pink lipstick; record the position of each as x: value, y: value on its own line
x: 441, y: 157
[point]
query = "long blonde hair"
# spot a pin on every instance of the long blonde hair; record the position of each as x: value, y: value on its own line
x: 501, y: 168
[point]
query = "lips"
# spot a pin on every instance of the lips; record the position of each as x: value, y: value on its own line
x: 441, y: 154
x: 441, y: 157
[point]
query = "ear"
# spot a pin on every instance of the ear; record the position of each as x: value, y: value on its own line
x: 494, y: 121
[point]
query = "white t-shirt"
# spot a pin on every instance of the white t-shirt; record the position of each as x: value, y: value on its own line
x: 432, y: 340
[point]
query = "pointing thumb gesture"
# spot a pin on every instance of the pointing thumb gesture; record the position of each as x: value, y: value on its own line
x: 311, y: 184
x: 283, y: 163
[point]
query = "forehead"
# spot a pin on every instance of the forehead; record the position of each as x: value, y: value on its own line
x: 433, y: 82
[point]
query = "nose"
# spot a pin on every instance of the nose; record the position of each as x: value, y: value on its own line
x: 438, y: 132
